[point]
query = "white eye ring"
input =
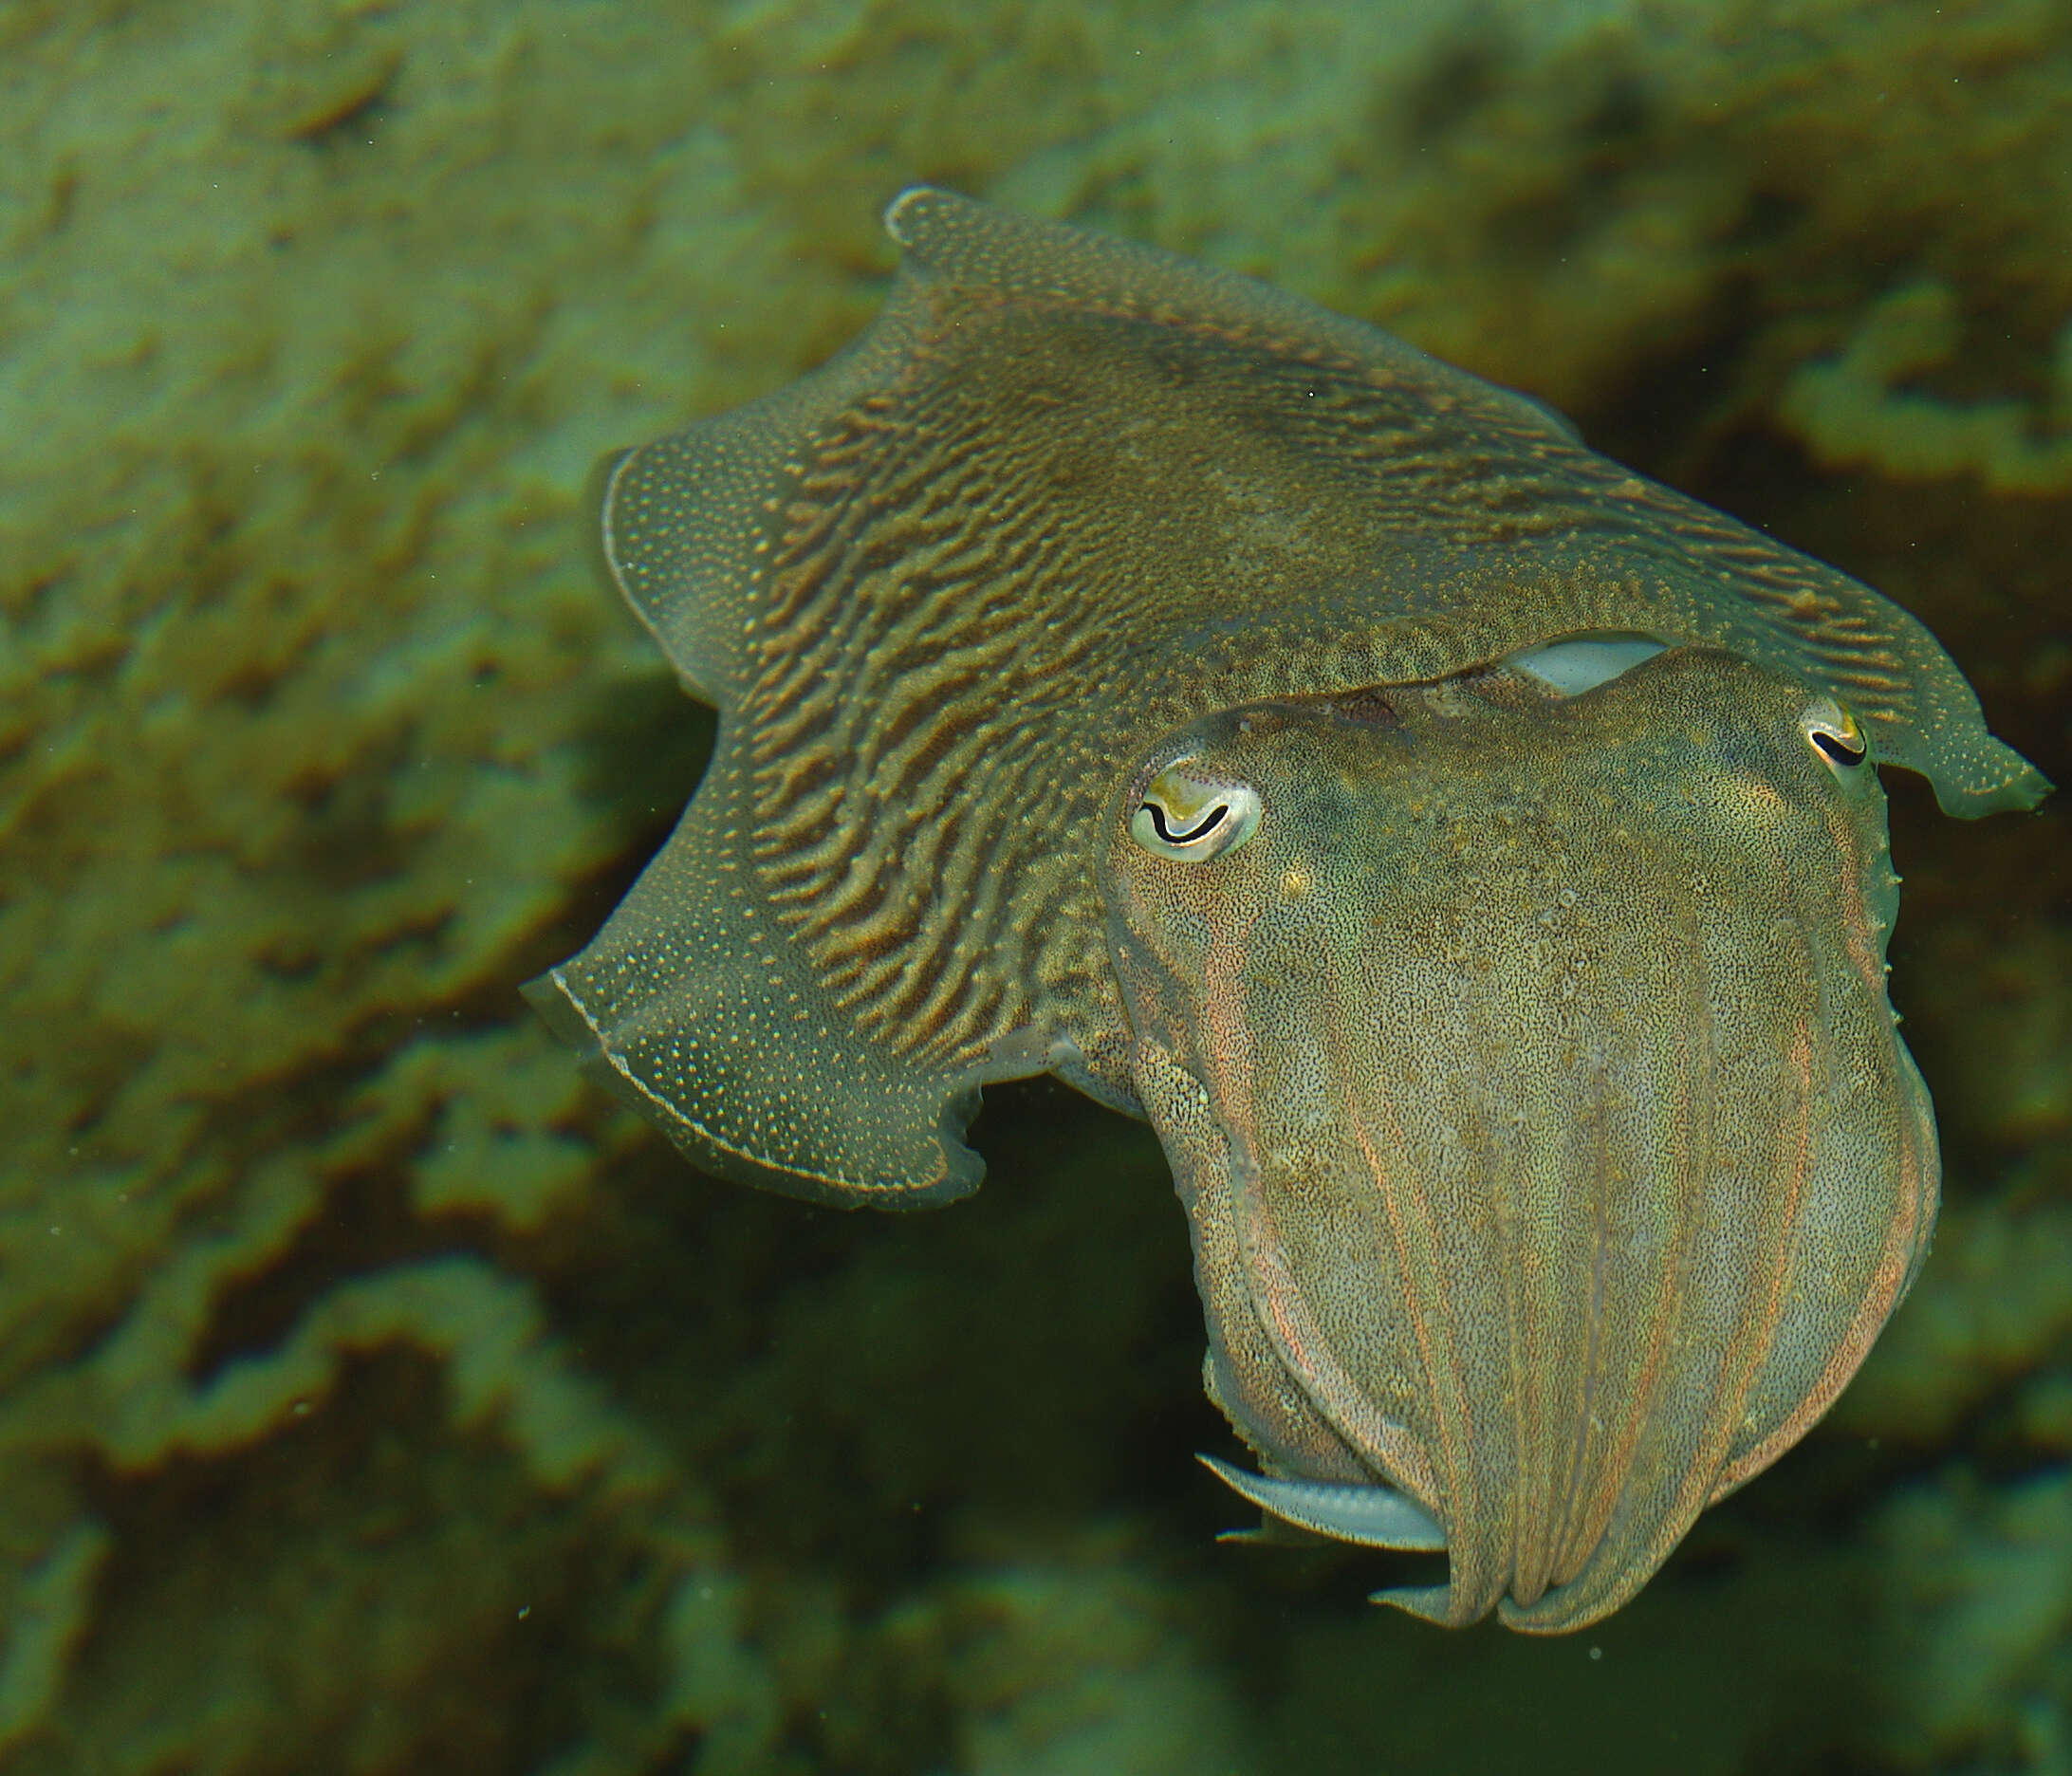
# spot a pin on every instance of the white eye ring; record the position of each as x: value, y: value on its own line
x: 1832, y: 731
x: 1191, y: 821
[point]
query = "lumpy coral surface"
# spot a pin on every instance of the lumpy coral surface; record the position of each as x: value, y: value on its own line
x: 373, y: 1397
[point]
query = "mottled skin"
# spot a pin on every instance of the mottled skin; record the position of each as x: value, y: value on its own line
x: 1523, y: 1058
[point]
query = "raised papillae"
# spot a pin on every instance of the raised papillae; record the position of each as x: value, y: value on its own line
x: 1468, y: 856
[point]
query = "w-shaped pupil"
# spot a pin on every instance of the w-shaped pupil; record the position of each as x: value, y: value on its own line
x: 1839, y: 750
x: 1210, y: 821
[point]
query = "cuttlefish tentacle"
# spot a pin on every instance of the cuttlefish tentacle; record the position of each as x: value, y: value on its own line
x: 1369, y: 1516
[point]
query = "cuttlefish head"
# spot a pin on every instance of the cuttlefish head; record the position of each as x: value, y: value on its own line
x: 1525, y: 1068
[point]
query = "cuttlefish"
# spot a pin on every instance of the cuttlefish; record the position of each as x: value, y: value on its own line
x: 1468, y: 854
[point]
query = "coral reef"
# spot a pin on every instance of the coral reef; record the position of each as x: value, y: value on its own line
x: 373, y: 1395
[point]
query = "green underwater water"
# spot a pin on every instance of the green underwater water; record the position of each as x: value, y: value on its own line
x: 377, y: 1395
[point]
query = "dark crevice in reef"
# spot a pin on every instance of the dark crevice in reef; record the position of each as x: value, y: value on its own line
x: 365, y: 1225
x: 356, y: 1500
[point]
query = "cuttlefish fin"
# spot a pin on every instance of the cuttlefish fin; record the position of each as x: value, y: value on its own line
x: 1367, y: 1515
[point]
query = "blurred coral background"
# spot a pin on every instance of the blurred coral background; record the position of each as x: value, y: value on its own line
x: 375, y: 1395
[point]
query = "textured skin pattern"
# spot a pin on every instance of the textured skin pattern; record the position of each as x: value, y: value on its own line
x: 1549, y: 1142
x: 1064, y: 494
x: 1528, y: 1076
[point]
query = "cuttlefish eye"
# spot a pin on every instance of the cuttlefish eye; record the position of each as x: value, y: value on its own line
x: 1180, y: 817
x: 1832, y: 731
